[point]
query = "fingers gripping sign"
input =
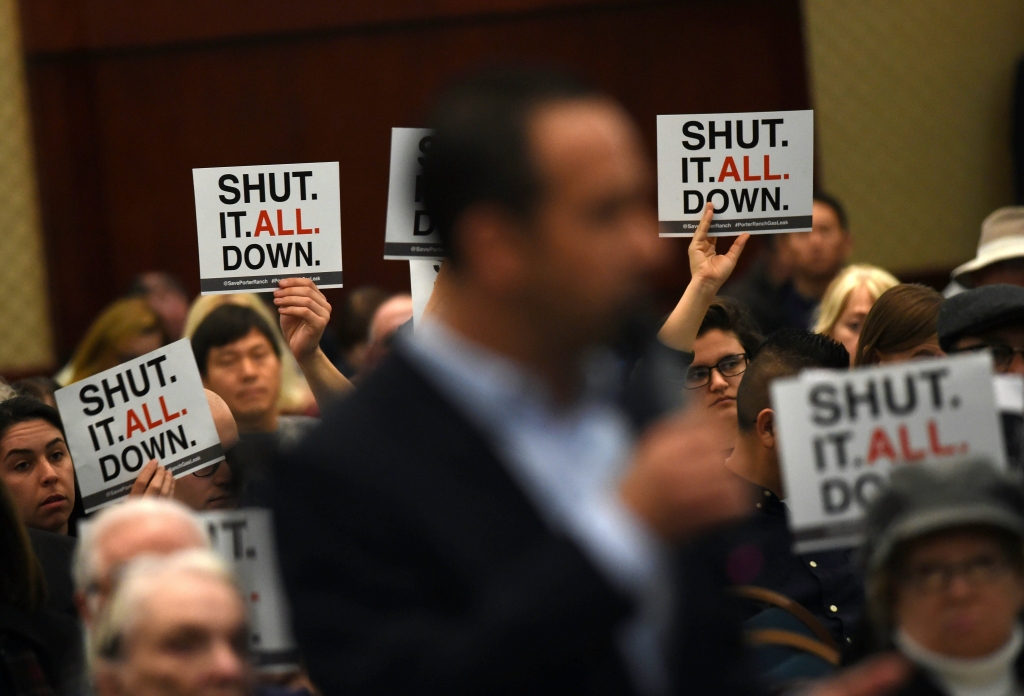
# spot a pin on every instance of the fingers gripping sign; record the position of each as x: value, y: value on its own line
x: 707, y: 266
x: 708, y: 270
x: 154, y: 481
x: 304, y: 313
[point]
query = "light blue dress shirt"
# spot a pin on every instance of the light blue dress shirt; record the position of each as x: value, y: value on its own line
x: 568, y: 460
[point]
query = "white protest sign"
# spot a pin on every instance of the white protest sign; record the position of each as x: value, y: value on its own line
x: 755, y: 168
x: 409, y: 234
x: 1009, y: 390
x: 259, y: 224
x: 422, y: 276
x: 1010, y: 403
x: 841, y: 433
x: 245, y: 539
x: 152, y: 407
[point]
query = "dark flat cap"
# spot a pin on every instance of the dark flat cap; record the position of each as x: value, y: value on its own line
x: 922, y: 499
x: 976, y: 311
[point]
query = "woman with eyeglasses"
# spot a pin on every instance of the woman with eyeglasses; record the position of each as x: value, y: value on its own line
x: 719, y: 332
x: 944, y: 560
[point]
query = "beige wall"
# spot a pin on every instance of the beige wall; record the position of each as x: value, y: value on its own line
x: 25, y: 338
x: 912, y: 106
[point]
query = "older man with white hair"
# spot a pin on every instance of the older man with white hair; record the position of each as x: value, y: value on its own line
x: 118, y: 534
x: 145, y: 528
x: 174, y: 625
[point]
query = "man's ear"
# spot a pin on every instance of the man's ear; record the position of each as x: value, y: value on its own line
x: 491, y: 248
x: 765, y: 428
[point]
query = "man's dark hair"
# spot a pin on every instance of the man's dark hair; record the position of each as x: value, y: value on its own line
x: 481, y: 151
x: 39, y: 388
x: 225, y: 325
x: 783, y: 354
x: 833, y: 203
x: 727, y: 314
x: 21, y: 409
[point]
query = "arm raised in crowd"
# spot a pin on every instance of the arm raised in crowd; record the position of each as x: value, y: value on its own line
x: 709, y: 271
x: 304, y: 315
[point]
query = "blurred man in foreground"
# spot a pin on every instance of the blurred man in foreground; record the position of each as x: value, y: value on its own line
x: 485, y: 519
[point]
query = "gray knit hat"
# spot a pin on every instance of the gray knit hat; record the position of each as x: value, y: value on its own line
x: 976, y: 311
x: 921, y: 499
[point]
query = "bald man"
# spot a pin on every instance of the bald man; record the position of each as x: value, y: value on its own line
x: 210, y: 488
x: 388, y: 318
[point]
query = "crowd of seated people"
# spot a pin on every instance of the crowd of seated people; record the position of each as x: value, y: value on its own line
x: 476, y: 506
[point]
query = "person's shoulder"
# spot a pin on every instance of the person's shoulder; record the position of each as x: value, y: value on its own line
x: 397, y: 378
x: 56, y: 555
x: 393, y: 406
x: 291, y: 429
x: 50, y: 542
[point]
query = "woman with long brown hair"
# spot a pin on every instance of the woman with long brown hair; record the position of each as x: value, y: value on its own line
x: 902, y: 325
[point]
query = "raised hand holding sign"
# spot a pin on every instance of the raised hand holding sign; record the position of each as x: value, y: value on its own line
x: 305, y: 313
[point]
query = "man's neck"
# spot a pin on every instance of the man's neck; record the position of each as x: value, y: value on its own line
x: 509, y: 333
x: 810, y: 288
x: 754, y: 463
x: 263, y: 423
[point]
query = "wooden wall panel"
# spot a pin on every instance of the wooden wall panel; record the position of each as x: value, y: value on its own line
x: 119, y: 129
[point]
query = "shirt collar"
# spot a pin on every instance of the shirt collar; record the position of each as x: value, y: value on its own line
x: 763, y: 499
x: 494, y: 382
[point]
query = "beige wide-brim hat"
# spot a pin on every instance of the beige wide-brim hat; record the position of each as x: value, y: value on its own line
x: 1002, y: 238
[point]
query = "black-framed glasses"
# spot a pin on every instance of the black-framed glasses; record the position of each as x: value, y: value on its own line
x: 208, y: 471
x: 729, y: 366
x: 937, y: 577
x: 1002, y: 353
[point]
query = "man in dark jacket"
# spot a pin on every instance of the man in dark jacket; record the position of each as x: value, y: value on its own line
x: 758, y: 551
x: 480, y: 517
